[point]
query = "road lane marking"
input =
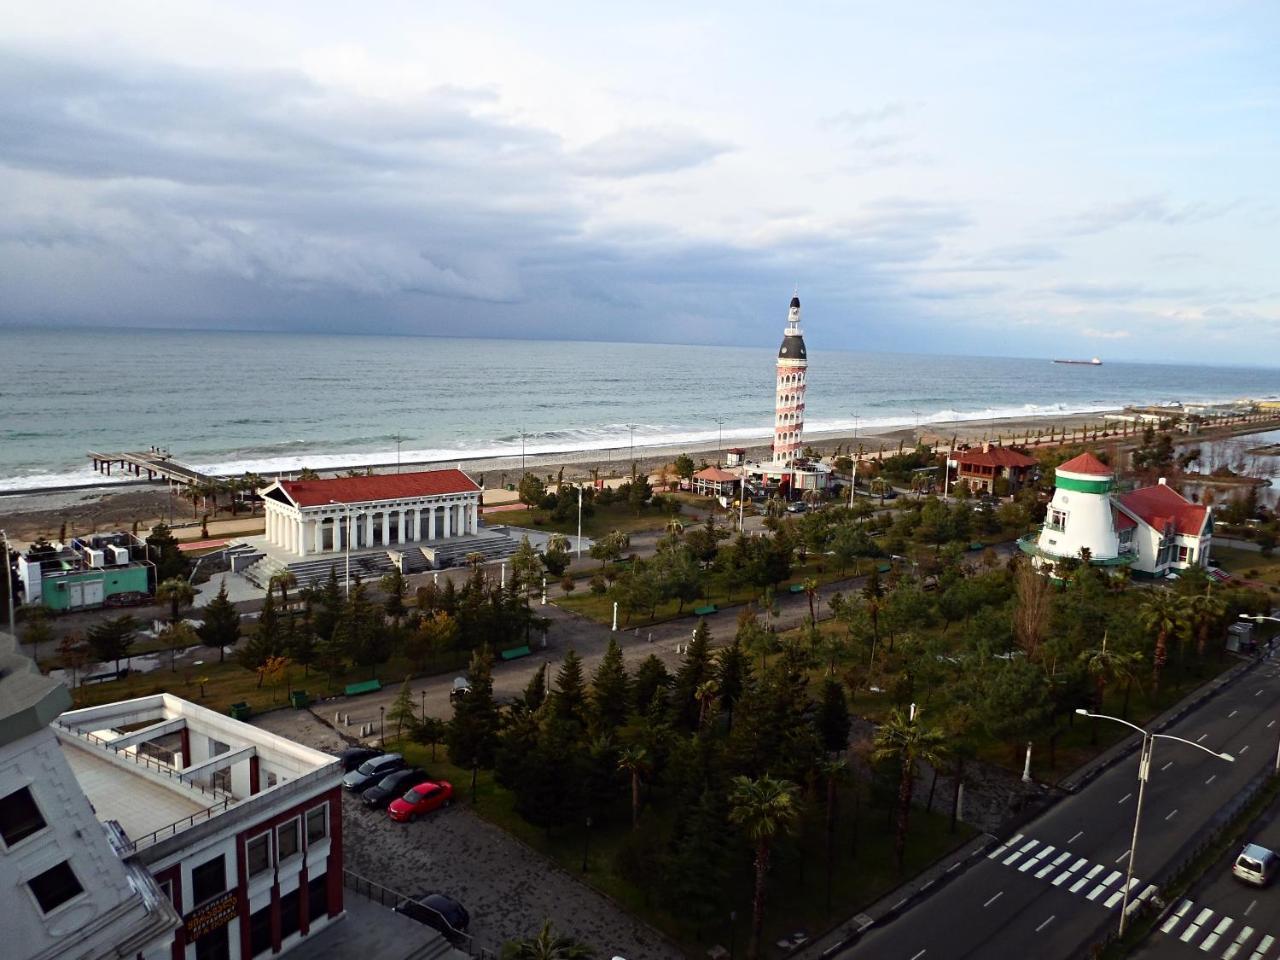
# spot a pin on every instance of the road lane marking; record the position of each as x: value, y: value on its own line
x: 994, y: 899
x: 1097, y: 891
x: 1252, y: 904
x: 1244, y: 749
x: 1097, y: 868
x: 1061, y: 878
x: 1124, y: 798
x: 1121, y: 857
x: 1017, y: 853
x: 1174, y: 920
x: 1241, y: 937
x: 1263, y: 946
x: 1211, y: 779
x: 1119, y: 894
x: 1223, y: 925
x: 1004, y: 846
x: 918, y: 955
x: 1032, y: 861
x: 1048, y: 868
x: 1172, y: 813
x: 1166, y: 766
x: 1259, y: 693
x: 1271, y: 724
x: 1078, y: 835
x: 1136, y: 902
x: 1046, y: 923
x: 1232, y: 714
x: 1194, y: 928
x: 1201, y: 737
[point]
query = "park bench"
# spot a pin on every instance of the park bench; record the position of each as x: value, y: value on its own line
x: 796, y: 588
x: 365, y: 686
x: 977, y: 545
x: 884, y: 567
x: 105, y: 677
x: 706, y: 611
x: 515, y: 653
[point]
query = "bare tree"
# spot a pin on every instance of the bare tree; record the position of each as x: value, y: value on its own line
x: 1034, y: 603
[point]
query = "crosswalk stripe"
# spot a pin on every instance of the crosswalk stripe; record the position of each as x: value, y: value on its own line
x: 1176, y: 918
x: 1004, y: 846
x: 1241, y: 937
x: 1032, y: 861
x: 1061, y: 878
x: 1097, y: 891
x: 1137, y: 901
x: 1119, y: 894
x: 1017, y: 853
x: 1195, y: 925
x: 1048, y: 868
x: 1097, y: 869
x: 1263, y: 946
x: 1223, y: 926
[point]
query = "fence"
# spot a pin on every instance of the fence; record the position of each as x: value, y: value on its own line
x: 155, y: 836
x: 387, y: 897
x: 142, y: 760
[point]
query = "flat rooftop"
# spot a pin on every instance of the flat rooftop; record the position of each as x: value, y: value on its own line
x: 140, y: 805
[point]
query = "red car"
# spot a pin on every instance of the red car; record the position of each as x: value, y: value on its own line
x: 423, y: 798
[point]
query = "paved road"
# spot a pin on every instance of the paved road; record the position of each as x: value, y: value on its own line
x: 1053, y: 886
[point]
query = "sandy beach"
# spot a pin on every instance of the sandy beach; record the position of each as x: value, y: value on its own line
x: 28, y: 515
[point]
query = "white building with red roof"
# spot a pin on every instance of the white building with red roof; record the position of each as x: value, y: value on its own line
x: 309, y: 517
x: 1154, y: 531
x: 981, y: 467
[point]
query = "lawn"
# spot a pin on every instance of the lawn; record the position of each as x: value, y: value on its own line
x: 1250, y: 565
x: 863, y: 868
x: 603, y: 519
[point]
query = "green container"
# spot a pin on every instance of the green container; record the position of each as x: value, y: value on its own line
x: 299, y: 699
x: 511, y: 487
x: 239, y: 711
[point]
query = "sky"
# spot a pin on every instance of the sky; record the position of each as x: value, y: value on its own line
x: 994, y: 179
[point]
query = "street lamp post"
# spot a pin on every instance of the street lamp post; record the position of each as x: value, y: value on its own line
x: 382, y: 727
x: 522, y: 436
x: 632, y: 428
x: 346, y: 543
x: 579, y: 521
x: 586, y: 845
x: 1144, y: 772
x: 720, y: 442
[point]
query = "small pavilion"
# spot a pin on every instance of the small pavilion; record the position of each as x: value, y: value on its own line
x: 306, y: 517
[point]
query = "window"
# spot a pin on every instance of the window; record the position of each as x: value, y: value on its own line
x: 208, y: 880
x: 287, y: 839
x: 214, y: 945
x: 260, y: 931
x: 1057, y: 519
x: 290, y: 914
x: 19, y: 817
x: 55, y: 886
x: 318, y: 897
x: 1185, y: 554
x: 317, y: 823
x: 258, y: 854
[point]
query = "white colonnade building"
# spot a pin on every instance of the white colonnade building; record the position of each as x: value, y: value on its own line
x: 311, y: 517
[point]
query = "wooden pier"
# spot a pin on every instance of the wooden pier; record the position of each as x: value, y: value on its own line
x: 156, y: 463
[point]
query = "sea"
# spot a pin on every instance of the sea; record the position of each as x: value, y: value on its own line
x: 265, y: 402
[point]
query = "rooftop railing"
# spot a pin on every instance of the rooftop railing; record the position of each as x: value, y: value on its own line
x: 151, y: 763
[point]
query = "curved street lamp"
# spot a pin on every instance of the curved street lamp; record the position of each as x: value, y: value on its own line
x: 1144, y: 772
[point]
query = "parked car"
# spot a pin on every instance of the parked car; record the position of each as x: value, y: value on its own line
x: 796, y: 506
x: 391, y: 786
x: 352, y: 757
x: 371, y: 771
x: 1256, y: 865
x: 422, y: 799
x: 438, y: 911
x: 128, y: 598
x: 461, y: 687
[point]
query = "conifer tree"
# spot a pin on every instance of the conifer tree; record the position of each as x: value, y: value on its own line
x: 651, y: 683
x: 695, y: 670
x: 328, y: 613
x: 569, y: 698
x: 221, y: 627
x: 833, y: 717
x: 473, y: 734
x: 610, y: 691
x: 401, y: 712
x: 535, y: 691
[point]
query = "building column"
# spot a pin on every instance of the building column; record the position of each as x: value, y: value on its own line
x: 271, y: 526
x: 404, y: 522
x: 317, y: 536
x: 447, y: 510
x: 431, y: 522
x: 303, y: 533
x: 366, y: 529
x: 475, y: 517
x: 417, y: 523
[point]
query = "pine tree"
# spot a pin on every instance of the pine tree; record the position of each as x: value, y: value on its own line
x: 651, y: 683
x: 733, y: 670
x: 695, y: 670
x: 832, y: 720
x: 163, y: 550
x: 473, y: 734
x: 535, y: 692
x: 401, y: 712
x: 568, y: 700
x: 221, y: 627
x: 328, y: 612
x: 610, y: 691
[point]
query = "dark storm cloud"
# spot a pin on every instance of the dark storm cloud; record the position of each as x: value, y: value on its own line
x: 153, y: 194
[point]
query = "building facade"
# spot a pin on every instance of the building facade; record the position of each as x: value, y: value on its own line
x: 788, y: 412
x: 983, y: 466
x: 69, y: 885
x: 309, y: 517
x: 240, y: 829
x: 1154, y: 531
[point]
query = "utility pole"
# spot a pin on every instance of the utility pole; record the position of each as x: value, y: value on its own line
x: 720, y: 441
x: 579, y: 521
x: 8, y: 583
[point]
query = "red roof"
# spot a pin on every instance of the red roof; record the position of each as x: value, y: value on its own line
x: 390, y: 486
x: 1121, y: 520
x: 1161, y: 505
x: 716, y: 475
x: 1086, y: 463
x: 994, y: 457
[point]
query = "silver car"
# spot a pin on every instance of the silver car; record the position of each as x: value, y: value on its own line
x: 1255, y: 865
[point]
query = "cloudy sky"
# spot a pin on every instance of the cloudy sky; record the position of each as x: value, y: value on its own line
x: 1021, y: 179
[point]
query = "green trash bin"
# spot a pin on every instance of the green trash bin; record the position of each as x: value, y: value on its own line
x: 511, y: 487
x: 239, y: 711
x: 299, y: 699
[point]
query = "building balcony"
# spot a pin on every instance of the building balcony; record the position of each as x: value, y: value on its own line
x: 1030, y: 546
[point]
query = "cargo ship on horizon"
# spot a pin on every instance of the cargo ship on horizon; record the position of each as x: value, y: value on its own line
x: 1092, y: 362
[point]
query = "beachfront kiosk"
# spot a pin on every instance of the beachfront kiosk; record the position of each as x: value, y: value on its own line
x: 306, y: 517
x: 1154, y: 531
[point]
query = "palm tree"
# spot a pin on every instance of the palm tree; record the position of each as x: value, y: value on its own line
x: 765, y: 808
x: 1206, y: 611
x: 253, y: 483
x: 177, y: 593
x: 834, y: 771
x: 284, y: 581
x: 474, y: 559
x: 557, y: 541
x: 906, y: 740
x: 706, y: 694
x: 1162, y: 618
x: 635, y: 762
x: 547, y: 946
x: 1108, y: 666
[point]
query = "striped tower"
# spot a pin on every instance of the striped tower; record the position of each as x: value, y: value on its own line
x: 788, y: 406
